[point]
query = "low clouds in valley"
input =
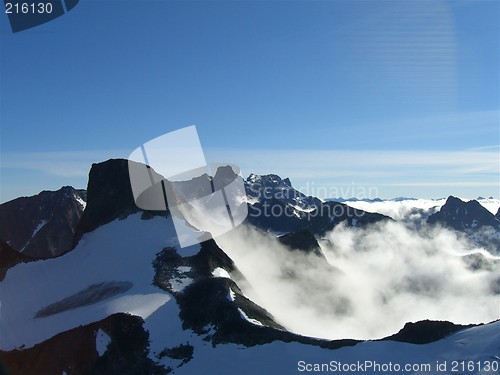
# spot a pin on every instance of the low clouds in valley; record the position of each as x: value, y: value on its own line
x: 370, y: 281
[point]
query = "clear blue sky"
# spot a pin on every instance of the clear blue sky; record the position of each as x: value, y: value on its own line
x: 403, y: 96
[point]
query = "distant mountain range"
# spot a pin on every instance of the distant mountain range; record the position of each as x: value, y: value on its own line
x: 398, y: 199
x: 90, y: 284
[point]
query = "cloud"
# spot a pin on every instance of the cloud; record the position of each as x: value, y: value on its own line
x: 375, y: 280
x: 405, y: 209
x: 345, y: 163
x: 58, y: 163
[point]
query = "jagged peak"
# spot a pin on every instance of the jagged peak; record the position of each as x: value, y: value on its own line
x: 109, y: 195
x: 269, y: 179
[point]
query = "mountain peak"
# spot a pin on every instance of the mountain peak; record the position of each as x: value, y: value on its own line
x: 461, y: 215
x: 268, y: 179
x: 43, y: 225
x: 109, y: 195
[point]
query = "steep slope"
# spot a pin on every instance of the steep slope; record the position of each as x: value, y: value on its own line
x: 42, y: 226
x: 9, y: 258
x: 109, y: 196
x: 471, y: 218
x: 461, y: 215
x: 275, y: 206
x: 128, y: 300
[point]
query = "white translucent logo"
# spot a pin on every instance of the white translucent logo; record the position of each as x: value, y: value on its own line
x: 170, y: 172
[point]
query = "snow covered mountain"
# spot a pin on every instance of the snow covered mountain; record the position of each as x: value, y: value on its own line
x: 128, y: 300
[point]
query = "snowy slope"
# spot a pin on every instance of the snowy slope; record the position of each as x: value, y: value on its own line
x: 111, y: 271
x: 121, y: 251
x: 475, y: 344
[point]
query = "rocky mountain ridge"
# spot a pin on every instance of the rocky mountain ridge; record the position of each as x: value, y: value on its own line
x: 204, y: 285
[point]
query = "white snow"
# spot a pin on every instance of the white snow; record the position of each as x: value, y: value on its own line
x: 277, y: 233
x: 250, y: 320
x: 81, y: 201
x: 122, y: 251
x: 476, y: 344
x: 247, y: 199
x: 221, y: 272
x: 119, y: 251
x: 102, y: 341
x: 180, y: 280
x: 40, y: 225
x: 304, y: 209
x: 179, y: 283
x: 231, y: 295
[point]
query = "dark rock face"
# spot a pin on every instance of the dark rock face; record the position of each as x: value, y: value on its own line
x: 471, y: 218
x: 74, y: 351
x: 182, y: 352
x: 212, y: 307
x: 462, y: 216
x: 302, y: 241
x: 42, y: 226
x: 497, y: 215
x: 217, y: 302
x: 426, y: 331
x: 278, y: 207
x: 206, y: 304
x: 109, y: 196
x: 9, y: 258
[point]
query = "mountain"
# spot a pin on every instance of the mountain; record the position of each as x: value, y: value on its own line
x: 461, y: 215
x: 275, y: 206
x: 9, y: 258
x: 42, y: 226
x: 302, y: 241
x: 109, y: 196
x: 471, y: 218
x: 128, y: 300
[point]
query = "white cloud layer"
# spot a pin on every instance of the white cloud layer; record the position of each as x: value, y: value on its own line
x: 405, y: 209
x: 375, y: 280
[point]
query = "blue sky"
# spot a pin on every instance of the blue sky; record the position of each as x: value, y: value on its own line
x: 398, y: 96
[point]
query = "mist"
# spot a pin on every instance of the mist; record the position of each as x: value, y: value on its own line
x: 372, y: 282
